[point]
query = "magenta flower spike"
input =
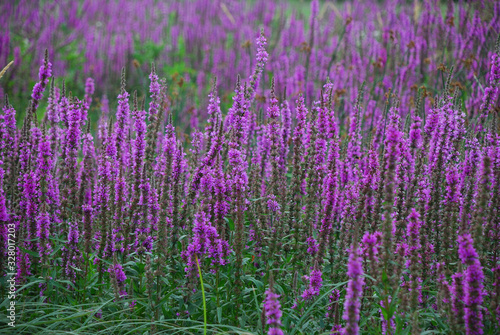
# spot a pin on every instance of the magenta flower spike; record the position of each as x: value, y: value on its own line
x: 473, y: 285
x: 354, y: 293
x: 272, y: 310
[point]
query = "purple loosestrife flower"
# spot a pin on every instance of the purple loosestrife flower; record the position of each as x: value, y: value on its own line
x: 154, y: 89
x: 178, y: 189
x: 238, y: 169
x: 354, y: 145
x: 330, y: 197
x: 354, y: 293
x: 298, y: 173
x: 30, y: 205
x: 87, y: 181
x: 43, y: 75
x: 441, y: 140
x: 315, y: 283
x: 153, y: 208
x: 413, y: 238
x: 35, y: 138
x: 452, y: 201
x: 312, y: 246
x: 118, y: 277
x: 273, y: 205
x: 315, y: 167
x: 222, y: 198
x: 431, y: 122
x: 70, y: 165
x: 336, y: 330
x: 120, y: 198
x: 169, y: 141
x: 214, y: 113
x: 206, y: 162
x: 89, y: 91
x: 144, y: 230
x: 473, y: 287
x: 103, y: 120
x: 44, y: 167
x: 205, y: 242
x: 495, y: 304
x: 299, y: 132
x: 236, y: 123
x: 495, y: 69
x: 275, y: 188
x: 71, y: 252
x: 322, y: 131
x: 482, y: 198
x: 416, y: 133
x: 469, y: 170
x: 273, y: 137
x: 23, y: 265
x: 333, y: 311
x: 122, y: 123
x: 371, y: 181
x: 286, y: 116
x: 73, y: 136
x: 87, y: 210
x: 371, y: 245
x: 236, y: 119
x: 102, y: 192
x: 24, y: 152
x: 443, y: 293
x: 87, y: 100
x: 492, y: 91
x: 392, y: 156
x: 273, y: 313
x: 457, y: 297
x: 139, y: 147
x: 164, y: 168
x: 87, y: 171
x: 7, y: 133
x: 273, y: 111
x: 261, y: 58
x: 53, y: 117
x: 63, y: 108
x: 393, y: 135
x: 196, y: 146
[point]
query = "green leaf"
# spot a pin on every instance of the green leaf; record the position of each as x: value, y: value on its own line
x: 219, y: 314
x: 30, y: 252
x: 230, y: 223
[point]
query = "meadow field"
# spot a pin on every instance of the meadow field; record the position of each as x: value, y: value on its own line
x: 250, y: 167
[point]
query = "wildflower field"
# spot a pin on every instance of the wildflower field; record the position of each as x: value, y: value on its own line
x: 250, y: 167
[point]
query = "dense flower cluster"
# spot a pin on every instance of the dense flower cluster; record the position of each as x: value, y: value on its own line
x: 121, y: 34
x: 380, y: 190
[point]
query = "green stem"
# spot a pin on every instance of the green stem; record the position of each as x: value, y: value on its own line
x: 217, y: 289
x: 203, y: 295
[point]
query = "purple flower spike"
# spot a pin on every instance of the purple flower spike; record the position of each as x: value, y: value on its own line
x: 315, y: 283
x: 273, y: 313
x: 354, y: 292
x: 474, y: 278
x: 43, y: 75
x: 261, y: 57
x: 118, y: 271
